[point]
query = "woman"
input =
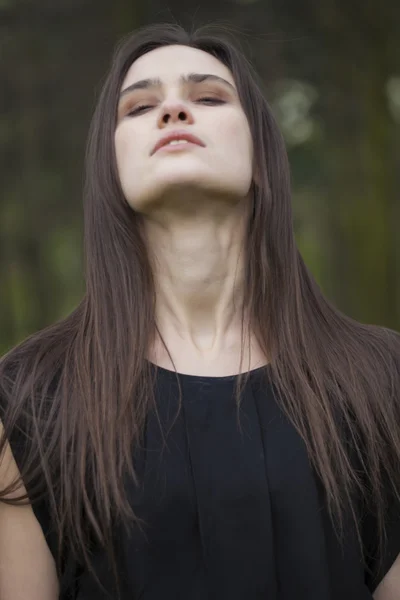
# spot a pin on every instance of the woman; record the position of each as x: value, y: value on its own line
x: 280, y: 484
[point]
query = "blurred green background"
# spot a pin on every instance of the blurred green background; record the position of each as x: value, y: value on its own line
x: 331, y: 72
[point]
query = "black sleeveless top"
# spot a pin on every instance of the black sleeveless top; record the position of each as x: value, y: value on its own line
x: 229, y: 513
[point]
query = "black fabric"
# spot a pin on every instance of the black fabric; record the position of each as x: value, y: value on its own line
x: 229, y: 513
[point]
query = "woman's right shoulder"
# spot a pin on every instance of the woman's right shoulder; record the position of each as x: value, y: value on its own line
x: 27, y: 569
x: 9, y: 471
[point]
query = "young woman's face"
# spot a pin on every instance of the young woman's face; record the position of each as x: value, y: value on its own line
x: 208, y: 109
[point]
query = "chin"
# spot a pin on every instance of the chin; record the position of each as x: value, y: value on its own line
x: 179, y: 189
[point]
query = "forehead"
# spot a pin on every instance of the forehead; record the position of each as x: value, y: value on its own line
x: 169, y: 62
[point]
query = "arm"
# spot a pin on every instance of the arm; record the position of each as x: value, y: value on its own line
x: 27, y: 567
x: 389, y: 587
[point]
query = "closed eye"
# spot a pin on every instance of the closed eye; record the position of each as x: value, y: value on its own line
x: 204, y: 100
x: 210, y: 100
x: 137, y: 110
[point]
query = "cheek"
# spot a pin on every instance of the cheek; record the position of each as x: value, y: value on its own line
x: 127, y: 156
x: 121, y: 148
x: 239, y: 140
x: 237, y: 132
x: 126, y: 160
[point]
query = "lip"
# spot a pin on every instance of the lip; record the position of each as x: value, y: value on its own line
x: 177, y: 135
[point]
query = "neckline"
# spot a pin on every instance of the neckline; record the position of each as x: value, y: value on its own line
x: 189, y: 378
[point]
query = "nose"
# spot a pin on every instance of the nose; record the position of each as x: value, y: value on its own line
x: 175, y: 111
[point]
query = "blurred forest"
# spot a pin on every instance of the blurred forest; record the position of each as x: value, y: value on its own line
x: 331, y: 72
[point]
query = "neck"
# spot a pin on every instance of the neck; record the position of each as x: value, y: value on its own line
x: 198, y: 265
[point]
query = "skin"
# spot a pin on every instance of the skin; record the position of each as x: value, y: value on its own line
x: 27, y: 567
x: 389, y: 588
x: 194, y: 203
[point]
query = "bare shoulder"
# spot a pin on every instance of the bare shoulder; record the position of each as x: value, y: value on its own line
x: 389, y: 588
x: 27, y: 567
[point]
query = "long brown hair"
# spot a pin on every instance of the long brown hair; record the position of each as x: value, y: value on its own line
x: 83, y: 387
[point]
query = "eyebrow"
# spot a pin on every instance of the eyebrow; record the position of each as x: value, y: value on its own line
x: 156, y: 82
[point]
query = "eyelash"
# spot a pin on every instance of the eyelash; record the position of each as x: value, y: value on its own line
x: 140, y: 109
